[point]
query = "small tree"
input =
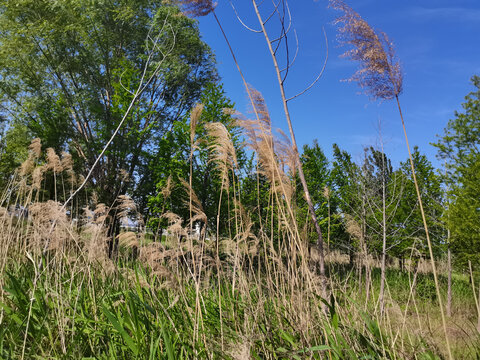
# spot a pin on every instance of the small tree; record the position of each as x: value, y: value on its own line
x: 318, y: 175
x: 460, y: 148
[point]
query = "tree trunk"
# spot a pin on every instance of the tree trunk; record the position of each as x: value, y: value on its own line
x: 478, y: 309
x: 367, y: 276
x: 449, y: 290
x: 384, y: 235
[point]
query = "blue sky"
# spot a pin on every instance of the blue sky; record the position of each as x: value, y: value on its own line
x: 437, y: 42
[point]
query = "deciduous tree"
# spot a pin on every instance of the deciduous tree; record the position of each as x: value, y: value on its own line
x: 459, y: 146
x: 70, y: 69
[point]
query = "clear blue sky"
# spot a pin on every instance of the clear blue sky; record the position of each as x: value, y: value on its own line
x: 437, y: 42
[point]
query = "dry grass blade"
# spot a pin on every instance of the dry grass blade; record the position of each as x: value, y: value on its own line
x: 380, y: 73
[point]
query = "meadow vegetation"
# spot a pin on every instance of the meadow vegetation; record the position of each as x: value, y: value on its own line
x: 156, y: 222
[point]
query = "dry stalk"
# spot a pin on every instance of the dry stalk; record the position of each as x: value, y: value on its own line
x: 380, y: 76
x: 301, y: 175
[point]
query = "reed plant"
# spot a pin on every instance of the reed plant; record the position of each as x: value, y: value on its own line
x: 251, y: 294
x: 239, y: 290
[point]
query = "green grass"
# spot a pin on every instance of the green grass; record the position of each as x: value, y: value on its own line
x: 82, y: 316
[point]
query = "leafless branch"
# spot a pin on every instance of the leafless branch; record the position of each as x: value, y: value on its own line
x: 319, y: 75
x: 242, y: 22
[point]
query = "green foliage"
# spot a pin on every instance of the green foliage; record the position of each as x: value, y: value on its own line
x: 68, y: 72
x: 14, y: 143
x: 321, y: 182
x: 382, y: 191
x: 174, y: 155
x: 347, y: 187
x: 412, y: 233
x: 459, y: 147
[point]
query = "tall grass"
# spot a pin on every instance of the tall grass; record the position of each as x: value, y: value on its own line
x: 246, y: 295
x: 71, y: 289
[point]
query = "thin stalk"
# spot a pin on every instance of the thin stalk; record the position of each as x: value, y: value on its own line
x: 429, y: 243
x: 449, y: 270
x: 276, y: 169
x: 295, y: 149
x: 217, y: 261
x: 477, y: 299
x: 328, y: 231
x: 449, y: 257
x: 384, y: 235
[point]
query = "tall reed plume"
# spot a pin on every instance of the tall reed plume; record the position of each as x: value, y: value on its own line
x: 380, y: 76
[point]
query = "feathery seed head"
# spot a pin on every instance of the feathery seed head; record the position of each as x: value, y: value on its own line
x: 101, y: 214
x: 274, y: 153
x: 37, y: 177
x: 194, y: 202
x: 66, y: 161
x: 53, y: 161
x: 194, y: 119
x: 380, y: 73
x: 175, y: 222
x: 353, y: 227
x: 124, y: 175
x: 198, y: 8
x: 125, y: 206
x: 167, y: 190
x: 36, y: 147
x: 326, y: 192
x: 222, y: 149
x: 128, y: 239
x: 27, y: 167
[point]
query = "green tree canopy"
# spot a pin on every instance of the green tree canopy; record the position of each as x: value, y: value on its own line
x: 174, y: 155
x: 411, y: 234
x: 459, y: 147
x: 318, y: 174
x: 69, y: 70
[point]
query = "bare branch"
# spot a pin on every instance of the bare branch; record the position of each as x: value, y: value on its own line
x: 296, y: 53
x: 273, y: 12
x: 319, y: 75
x: 241, y: 21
